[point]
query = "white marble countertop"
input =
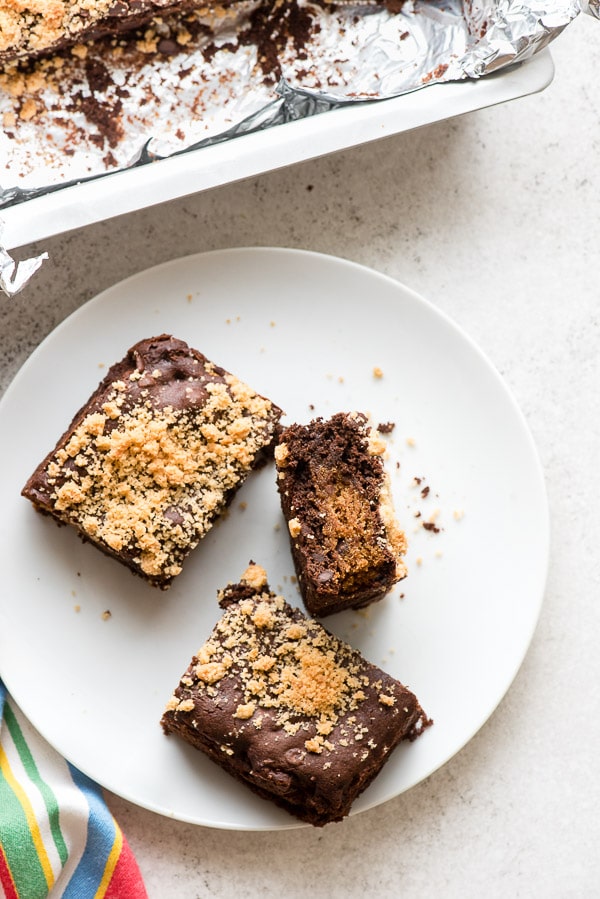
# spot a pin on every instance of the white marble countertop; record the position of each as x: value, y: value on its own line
x: 495, y: 218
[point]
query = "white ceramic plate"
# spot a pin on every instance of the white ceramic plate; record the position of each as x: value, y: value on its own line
x: 307, y: 330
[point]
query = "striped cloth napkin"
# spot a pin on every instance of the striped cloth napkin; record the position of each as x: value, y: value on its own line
x: 57, y: 836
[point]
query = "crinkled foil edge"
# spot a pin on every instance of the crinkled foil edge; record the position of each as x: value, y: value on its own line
x: 15, y: 275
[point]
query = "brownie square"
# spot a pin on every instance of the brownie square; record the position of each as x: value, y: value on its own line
x: 287, y: 708
x: 335, y: 495
x: 154, y: 456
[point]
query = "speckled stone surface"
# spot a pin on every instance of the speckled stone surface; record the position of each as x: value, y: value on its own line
x: 495, y: 218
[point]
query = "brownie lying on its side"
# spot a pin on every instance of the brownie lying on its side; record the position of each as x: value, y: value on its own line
x: 288, y: 709
x: 347, y: 546
x: 154, y: 456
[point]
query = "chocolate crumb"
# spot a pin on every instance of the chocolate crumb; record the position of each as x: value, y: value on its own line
x: 272, y: 28
x: 431, y: 526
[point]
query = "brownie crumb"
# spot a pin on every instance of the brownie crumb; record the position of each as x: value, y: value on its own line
x: 431, y: 526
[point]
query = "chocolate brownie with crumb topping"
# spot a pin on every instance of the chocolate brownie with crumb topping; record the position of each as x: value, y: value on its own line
x: 347, y: 546
x: 31, y: 28
x: 155, y: 455
x: 287, y: 708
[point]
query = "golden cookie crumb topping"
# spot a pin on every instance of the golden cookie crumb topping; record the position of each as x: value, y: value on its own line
x: 150, y: 480
x: 267, y: 659
x: 33, y: 26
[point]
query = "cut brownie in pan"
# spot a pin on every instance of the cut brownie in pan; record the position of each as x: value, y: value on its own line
x: 335, y: 494
x: 288, y: 709
x: 154, y: 456
x: 31, y: 28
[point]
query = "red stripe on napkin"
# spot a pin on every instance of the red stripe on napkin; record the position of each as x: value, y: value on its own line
x: 6, y: 881
x: 126, y: 881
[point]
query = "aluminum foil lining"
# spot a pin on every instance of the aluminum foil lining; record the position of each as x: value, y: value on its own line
x: 208, y: 77
x: 15, y: 275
